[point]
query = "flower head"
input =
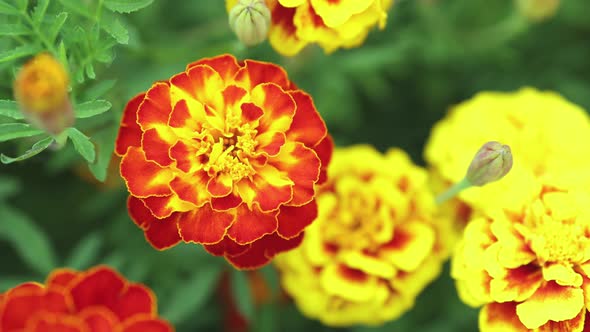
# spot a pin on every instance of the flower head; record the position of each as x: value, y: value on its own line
x: 374, y: 246
x: 331, y: 24
x: 227, y: 155
x: 530, y: 268
x: 90, y: 301
x: 41, y: 89
x: 546, y: 134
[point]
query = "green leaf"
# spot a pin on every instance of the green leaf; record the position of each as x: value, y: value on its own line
x: 56, y: 26
x: 106, y: 144
x: 92, y: 108
x: 9, y: 108
x: 39, y: 11
x: 86, y: 252
x: 115, y: 28
x: 99, y: 89
x: 8, y: 9
x: 266, y: 320
x: 8, y: 186
x: 82, y: 144
x: 126, y: 6
x: 30, y: 242
x: 33, y: 151
x: 9, y: 131
x: 242, y: 294
x: 8, y: 29
x: 191, y: 294
x: 89, y: 68
x: 19, y: 52
x: 78, y: 7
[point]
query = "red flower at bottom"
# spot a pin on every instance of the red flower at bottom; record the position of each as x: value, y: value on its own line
x: 97, y: 300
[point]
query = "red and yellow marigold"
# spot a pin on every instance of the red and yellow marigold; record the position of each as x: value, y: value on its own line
x: 530, y: 267
x: 225, y: 154
x: 331, y: 24
x: 97, y: 300
x: 375, y: 245
x: 546, y: 133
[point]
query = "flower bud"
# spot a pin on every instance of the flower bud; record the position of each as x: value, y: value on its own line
x: 538, y: 10
x: 41, y: 89
x: 250, y: 21
x: 491, y: 163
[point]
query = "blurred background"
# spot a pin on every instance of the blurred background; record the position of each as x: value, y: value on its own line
x: 389, y: 92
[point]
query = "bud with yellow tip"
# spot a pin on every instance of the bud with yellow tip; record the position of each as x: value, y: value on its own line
x: 41, y: 90
x: 491, y: 163
x: 250, y: 21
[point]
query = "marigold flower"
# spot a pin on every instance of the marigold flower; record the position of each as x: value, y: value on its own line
x: 529, y: 268
x: 331, y: 24
x: 41, y: 89
x: 375, y: 244
x: 96, y: 300
x: 224, y: 154
x: 546, y: 133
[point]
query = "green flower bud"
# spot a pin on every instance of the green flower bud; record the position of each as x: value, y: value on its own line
x: 250, y: 20
x: 491, y: 163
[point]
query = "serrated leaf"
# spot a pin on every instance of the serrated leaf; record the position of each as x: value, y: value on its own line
x: 92, y: 108
x: 9, y: 131
x: 78, y: 7
x: 115, y: 28
x: 9, y: 29
x: 37, y: 148
x: 56, y: 26
x: 19, y: 52
x: 30, y: 242
x: 90, y: 71
x: 191, y: 294
x: 82, y: 144
x: 242, y: 294
x: 8, y: 9
x: 126, y: 6
x: 39, y: 11
x: 86, y: 252
x: 99, y: 89
x: 9, y: 108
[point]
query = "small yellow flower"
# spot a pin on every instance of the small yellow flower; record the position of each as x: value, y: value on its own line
x: 530, y: 267
x: 41, y: 89
x: 374, y: 245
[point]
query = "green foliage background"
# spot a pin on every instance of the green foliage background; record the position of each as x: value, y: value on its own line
x: 389, y: 92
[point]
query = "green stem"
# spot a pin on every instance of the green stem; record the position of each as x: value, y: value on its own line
x: 41, y: 36
x: 60, y: 140
x: 452, y: 191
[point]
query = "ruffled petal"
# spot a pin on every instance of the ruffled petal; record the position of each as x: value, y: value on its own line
x: 204, y: 225
x: 293, y: 219
x: 254, y: 73
x: 500, y: 317
x: 252, y: 224
x: 129, y: 131
x: 225, y: 65
x: 307, y: 127
x: 143, y: 177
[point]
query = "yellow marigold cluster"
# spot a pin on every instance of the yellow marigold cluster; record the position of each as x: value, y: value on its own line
x: 332, y: 24
x: 374, y: 245
x: 524, y: 254
x: 530, y: 267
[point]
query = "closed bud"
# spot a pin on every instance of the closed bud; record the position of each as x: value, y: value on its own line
x: 491, y: 163
x: 41, y: 90
x: 250, y: 21
x: 538, y: 10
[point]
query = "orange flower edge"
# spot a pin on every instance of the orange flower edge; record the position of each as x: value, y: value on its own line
x: 225, y: 154
x: 96, y: 300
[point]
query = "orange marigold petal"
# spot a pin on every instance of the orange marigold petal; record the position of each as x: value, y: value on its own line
x: 577, y: 324
x: 156, y: 107
x: 227, y: 247
x: 324, y: 151
x: 61, y: 277
x: 156, y: 147
x: 160, y: 206
x: 204, y: 225
x: 228, y: 202
x: 185, y: 156
x: 234, y: 96
x: 250, y: 112
x: 98, y: 286
x: 21, y: 302
x: 129, y: 131
x: 283, y: 33
x: 551, y: 302
x: 293, y: 219
x: 200, y: 83
x: 302, y: 166
x: 254, y: 73
x: 184, y: 117
x: 269, y: 188
x: 193, y: 188
x: 271, y: 143
x: 143, y: 177
x: 163, y: 234
x: 308, y: 126
x: 279, y: 107
x: 500, y: 317
x: 263, y: 250
x: 99, y: 319
x: 516, y: 284
x: 220, y: 185
x: 52, y: 323
x: 147, y: 325
x: 252, y: 224
x: 226, y: 65
x: 136, y: 299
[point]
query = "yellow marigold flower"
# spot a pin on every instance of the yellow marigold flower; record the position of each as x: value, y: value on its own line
x: 530, y: 267
x: 41, y: 89
x: 374, y: 245
x: 546, y: 133
x: 331, y: 24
